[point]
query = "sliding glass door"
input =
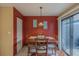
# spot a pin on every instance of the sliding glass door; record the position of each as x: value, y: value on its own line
x: 70, y: 35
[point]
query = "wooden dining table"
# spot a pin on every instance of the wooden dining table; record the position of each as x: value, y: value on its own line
x: 45, y: 41
x: 49, y: 39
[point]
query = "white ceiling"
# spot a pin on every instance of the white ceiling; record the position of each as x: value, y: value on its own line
x: 33, y: 9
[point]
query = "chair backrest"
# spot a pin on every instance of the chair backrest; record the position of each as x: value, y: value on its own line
x: 31, y: 42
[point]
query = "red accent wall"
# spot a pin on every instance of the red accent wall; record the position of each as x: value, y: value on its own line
x: 28, y: 29
x: 16, y: 14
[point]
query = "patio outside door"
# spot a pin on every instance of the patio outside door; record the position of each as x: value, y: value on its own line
x: 19, y: 34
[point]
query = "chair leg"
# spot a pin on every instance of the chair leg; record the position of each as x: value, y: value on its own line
x: 28, y: 51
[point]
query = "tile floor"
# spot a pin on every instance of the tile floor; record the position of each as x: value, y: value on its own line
x: 23, y: 51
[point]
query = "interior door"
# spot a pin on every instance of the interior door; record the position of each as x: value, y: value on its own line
x: 19, y: 34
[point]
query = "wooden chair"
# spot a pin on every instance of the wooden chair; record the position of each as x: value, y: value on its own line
x: 42, y: 45
x: 58, y: 52
x: 31, y: 46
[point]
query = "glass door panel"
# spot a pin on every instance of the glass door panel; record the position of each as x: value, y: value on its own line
x: 76, y: 35
x: 66, y: 36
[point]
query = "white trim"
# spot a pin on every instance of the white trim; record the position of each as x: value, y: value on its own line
x: 70, y: 12
x: 59, y: 34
